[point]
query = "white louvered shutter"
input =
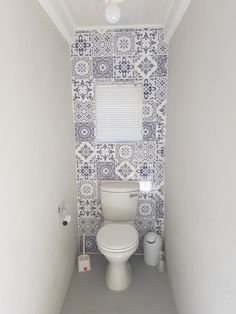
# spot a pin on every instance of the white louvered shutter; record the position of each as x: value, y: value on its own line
x: 118, y: 113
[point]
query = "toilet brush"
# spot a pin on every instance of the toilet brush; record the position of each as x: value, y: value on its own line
x: 84, y: 260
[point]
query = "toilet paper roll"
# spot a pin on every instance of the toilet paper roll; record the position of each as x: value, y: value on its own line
x: 65, y: 217
x: 66, y: 220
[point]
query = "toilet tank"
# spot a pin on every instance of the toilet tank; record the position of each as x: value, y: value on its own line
x: 119, y: 200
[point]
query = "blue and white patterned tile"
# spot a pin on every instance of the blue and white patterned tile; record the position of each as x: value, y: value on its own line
x: 105, y: 152
x: 145, y: 151
x: 161, y: 89
x: 149, y: 89
x: 159, y: 226
x: 149, y: 111
x: 82, y: 45
x: 90, y: 244
x: 159, y: 190
x: 145, y: 66
x: 147, y: 208
x: 84, y: 111
x: 89, y: 208
x: 81, y: 67
x: 124, y: 42
x: 86, y: 171
x: 87, y: 189
x: 146, y: 41
x: 160, y: 207
x: 84, y: 132
x: 125, y: 171
x: 162, y: 47
x: 124, y: 152
x: 105, y: 170
x: 161, y: 65
x: 82, y: 90
x: 145, y: 160
x: 159, y: 171
x: 160, y: 153
x: 124, y: 67
x: 85, y: 152
x: 145, y: 170
x: 102, y: 67
x: 145, y: 225
x: 161, y: 108
x: 102, y: 43
x: 149, y: 131
x: 89, y: 226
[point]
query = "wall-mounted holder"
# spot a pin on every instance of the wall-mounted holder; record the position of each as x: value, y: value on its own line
x: 64, y: 216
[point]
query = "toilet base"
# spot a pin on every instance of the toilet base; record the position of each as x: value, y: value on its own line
x: 118, y: 276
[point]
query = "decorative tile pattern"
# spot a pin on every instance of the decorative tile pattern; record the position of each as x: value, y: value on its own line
x: 82, y: 45
x: 105, y: 152
x: 85, y: 152
x: 125, y: 152
x: 149, y: 89
x: 126, y: 171
x: 161, y: 89
x: 89, y: 226
x: 149, y: 131
x: 81, y: 68
x: 105, y: 170
x: 89, y: 208
x: 149, y: 111
x: 162, y: 65
x: 147, y: 208
x: 145, y: 171
x: 102, y: 67
x: 86, y: 171
x: 124, y: 43
x: 120, y: 56
x: 87, y: 189
x: 84, y: 131
x: 146, y: 41
x: 146, y: 151
x: 146, y: 66
x: 124, y: 67
x: 83, y: 90
x: 102, y: 43
x: 90, y: 244
x: 84, y: 111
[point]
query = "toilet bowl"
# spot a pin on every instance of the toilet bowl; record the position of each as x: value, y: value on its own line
x: 117, y: 242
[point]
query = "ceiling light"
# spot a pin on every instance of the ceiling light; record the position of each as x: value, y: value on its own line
x: 112, y: 12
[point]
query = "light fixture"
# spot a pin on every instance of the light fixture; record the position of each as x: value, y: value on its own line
x: 112, y: 12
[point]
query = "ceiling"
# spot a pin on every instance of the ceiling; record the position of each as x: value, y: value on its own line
x: 91, y: 12
x: 68, y: 15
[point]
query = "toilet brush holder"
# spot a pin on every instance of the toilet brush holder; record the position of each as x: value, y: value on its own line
x: 84, y: 260
x: 84, y: 263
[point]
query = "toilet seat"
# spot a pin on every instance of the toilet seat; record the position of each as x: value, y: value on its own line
x: 117, y: 237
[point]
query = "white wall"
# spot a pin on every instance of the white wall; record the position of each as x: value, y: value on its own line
x: 36, y: 161
x: 201, y: 160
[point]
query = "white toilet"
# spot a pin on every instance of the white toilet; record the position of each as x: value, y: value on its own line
x: 118, y: 239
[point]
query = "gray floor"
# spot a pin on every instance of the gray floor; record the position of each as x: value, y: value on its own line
x: 149, y: 292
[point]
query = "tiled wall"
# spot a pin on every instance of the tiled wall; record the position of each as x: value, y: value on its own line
x: 119, y: 56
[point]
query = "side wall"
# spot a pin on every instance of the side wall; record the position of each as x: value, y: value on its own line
x: 201, y: 160
x: 37, y: 166
x: 120, y: 56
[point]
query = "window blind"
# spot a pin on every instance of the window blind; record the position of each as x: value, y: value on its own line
x: 118, y: 113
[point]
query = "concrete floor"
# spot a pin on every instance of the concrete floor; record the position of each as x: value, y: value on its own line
x: 148, y: 293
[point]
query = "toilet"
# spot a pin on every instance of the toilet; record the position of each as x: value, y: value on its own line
x: 118, y: 239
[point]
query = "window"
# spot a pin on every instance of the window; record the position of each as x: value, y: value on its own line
x: 118, y: 113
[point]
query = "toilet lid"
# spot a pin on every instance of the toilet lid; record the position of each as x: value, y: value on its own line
x: 117, y: 236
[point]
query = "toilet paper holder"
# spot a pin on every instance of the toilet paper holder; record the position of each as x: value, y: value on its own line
x: 64, y: 216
